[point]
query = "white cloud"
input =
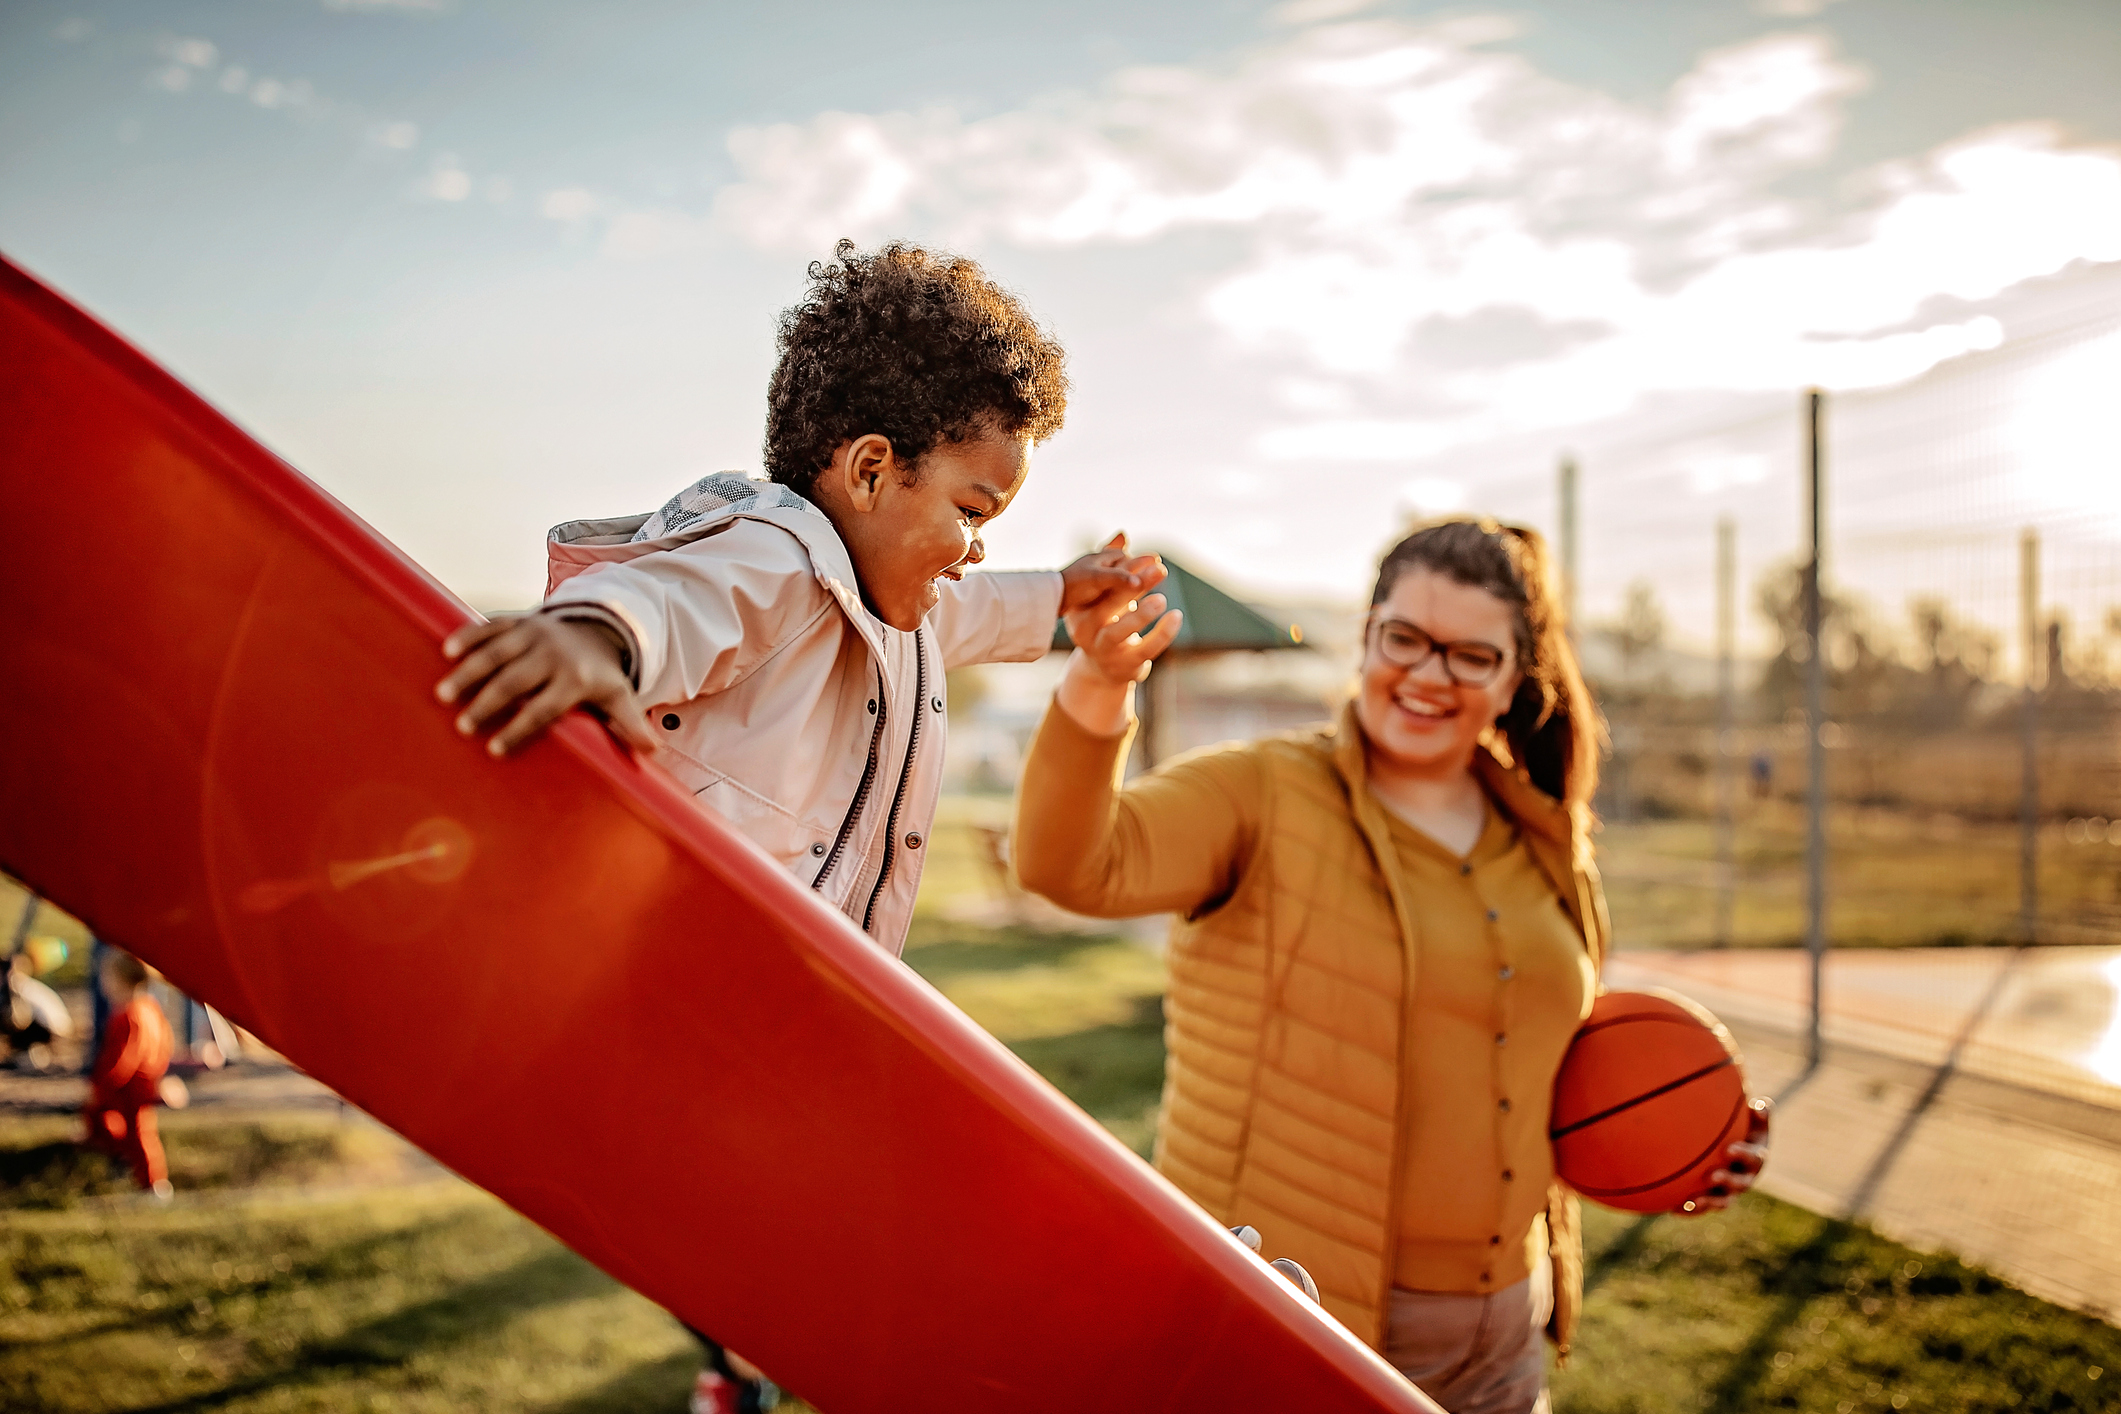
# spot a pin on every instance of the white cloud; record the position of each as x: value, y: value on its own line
x: 447, y: 181
x: 642, y: 235
x: 568, y: 204
x: 2062, y: 434
x: 1791, y: 9
x: 1395, y: 181
x: 1433, y: 495
x: 1712, y: 470
x: 272, y: 93
x: 1304, y: 12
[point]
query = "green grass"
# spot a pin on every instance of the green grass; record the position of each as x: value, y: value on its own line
x: 42, y: 1167
x: 1768, y: 1307
x: 1895, y: 879
x: 1084, y: 1010
x: 431, y: 1297
x: 311, y: 1266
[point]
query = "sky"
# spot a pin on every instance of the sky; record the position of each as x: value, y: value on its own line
x: 1320, y: 265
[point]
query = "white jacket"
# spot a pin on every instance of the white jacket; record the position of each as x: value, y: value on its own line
x: 802, y: 719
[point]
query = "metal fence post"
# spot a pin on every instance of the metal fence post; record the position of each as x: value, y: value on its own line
x: 1565, y: 493
x: 2029, y: 729
x: 1815, y: 724
x: 1726, y: 728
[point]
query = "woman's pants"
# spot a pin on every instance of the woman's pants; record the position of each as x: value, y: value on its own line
x: 1476, y: 1354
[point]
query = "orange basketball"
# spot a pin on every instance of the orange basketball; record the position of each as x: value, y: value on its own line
x: 1650, y: 1095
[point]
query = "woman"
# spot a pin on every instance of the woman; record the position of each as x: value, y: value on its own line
x: 1388, y: 932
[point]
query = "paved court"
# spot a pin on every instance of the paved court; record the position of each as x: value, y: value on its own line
x: 1968, y: 1100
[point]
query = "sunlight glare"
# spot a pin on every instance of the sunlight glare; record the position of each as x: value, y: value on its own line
x: 2104, y: 1058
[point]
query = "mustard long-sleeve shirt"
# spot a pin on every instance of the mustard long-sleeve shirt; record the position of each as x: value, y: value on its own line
x: 1502, y: 981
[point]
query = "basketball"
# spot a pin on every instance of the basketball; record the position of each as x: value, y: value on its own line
x: 1650, y: 1095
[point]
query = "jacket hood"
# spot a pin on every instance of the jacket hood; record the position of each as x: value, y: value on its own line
x: 705, y: 508
x: 685, y: 516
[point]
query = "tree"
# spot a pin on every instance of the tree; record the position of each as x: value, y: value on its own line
x: 1641, y: 630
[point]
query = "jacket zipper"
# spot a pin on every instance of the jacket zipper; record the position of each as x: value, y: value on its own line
x: 898, y: 797
x: 861, y: 792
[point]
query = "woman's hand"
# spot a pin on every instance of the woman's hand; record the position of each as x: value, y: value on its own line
x: 1742, y: 1164
x: 1115, y: 643
x: 524, y: 672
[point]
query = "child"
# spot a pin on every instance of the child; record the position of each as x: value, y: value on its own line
x: 780, y: 646
x: 31, y: 1014
x: 125, y: 1085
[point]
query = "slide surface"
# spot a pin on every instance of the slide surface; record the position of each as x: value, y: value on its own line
x: 556, y: 974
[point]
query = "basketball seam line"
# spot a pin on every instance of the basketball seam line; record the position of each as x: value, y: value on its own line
x: 1687, y: 1167
x: 1664, y: 1089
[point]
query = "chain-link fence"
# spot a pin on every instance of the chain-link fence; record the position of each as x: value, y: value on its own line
x: 1970, y: 656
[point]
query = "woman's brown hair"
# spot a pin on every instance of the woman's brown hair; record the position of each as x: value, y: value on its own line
x: 1552, y: 726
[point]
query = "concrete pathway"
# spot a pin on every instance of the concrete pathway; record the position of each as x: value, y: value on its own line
x: 1967, y: 1100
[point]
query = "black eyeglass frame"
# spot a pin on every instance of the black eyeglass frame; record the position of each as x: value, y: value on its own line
x: 1476, y: 678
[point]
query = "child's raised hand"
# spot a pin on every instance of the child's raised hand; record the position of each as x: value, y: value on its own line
x: 1097, y: 574
x: 1106, y: 589
x: 1117, y: 634
x: 524, y: 672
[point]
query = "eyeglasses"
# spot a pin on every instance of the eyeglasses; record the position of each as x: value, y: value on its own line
x: 1468, y: 662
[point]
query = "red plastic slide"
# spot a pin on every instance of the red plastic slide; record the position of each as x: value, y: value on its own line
x: 557, y: 974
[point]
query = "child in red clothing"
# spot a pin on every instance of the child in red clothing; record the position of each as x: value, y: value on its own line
x: 126, y: 1084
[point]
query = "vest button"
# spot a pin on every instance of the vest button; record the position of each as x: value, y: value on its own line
x: 1465, y: 868
x: 1500, y: 1038
x: 913, y: 839
x: 1493, y: 915
x: 670, y: 721
x: 1503, y: 1105
x: 1509, y: 1175
x: 1507, y: 972
x: 818, y: 849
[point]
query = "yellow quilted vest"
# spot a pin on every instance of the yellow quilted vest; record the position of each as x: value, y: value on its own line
x: 1282, y: 1101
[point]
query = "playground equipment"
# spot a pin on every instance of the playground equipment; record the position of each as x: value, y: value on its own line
x: 218, y: 697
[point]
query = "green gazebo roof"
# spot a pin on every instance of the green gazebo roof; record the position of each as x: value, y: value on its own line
x: 1215, y: 622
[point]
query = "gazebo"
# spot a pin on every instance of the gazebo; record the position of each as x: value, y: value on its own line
x: 1214, y: 623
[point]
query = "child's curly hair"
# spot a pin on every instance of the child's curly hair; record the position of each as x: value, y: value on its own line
x: 911, y: 345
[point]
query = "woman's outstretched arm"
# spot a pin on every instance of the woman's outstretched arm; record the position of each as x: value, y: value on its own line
x: 1175, y: 841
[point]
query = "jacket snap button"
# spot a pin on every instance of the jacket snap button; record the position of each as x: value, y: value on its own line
x: 1503, y: 1105
x: 1493, y: 915
x: 1500, y: 1038
x: 913, y: 840
x: 670, y: 721
x: 872, y: 706
x: 1509, y: 1175
x: 818, y: 849
x: 936, y: 703
x: 1465, y: 868
x: 1507, y: 972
